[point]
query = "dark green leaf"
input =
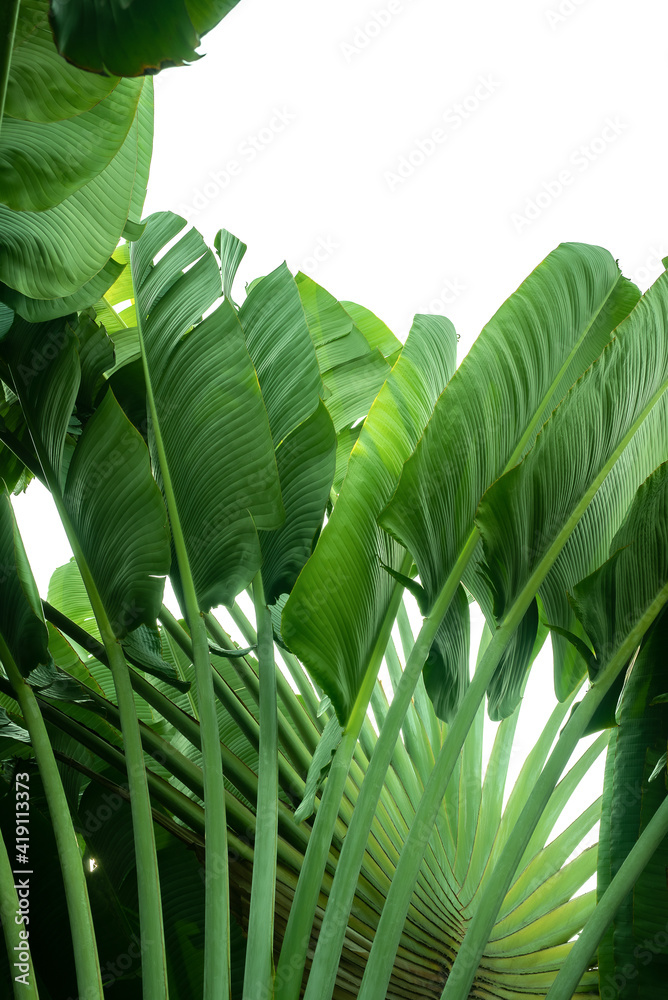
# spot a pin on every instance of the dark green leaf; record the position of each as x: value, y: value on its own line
x: 113, y: 37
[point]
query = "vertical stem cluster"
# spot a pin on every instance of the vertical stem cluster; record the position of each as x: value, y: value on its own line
x: 258, y: 975
x: 217, y: 927
x: 74, y: 879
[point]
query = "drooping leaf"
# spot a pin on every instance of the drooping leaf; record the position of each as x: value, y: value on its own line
x: 96, y: 355
x: 10, y: 731
x: 40, y: 310
x: 50, y: 682
x: 523, y: 363
x: 112, y: 37
x: 74, y: 157
x: 42, y: 359
x: 446, y: 668
x: 613, y: 598
x: 375, y: 332
x: 353, y: 387
x: 142, y: 646
x: 322, y: 759
x: 111, y: 499
x: 231, y: 250
x: 555, y: 513
x: 354, y: 362
x: 119, y: 517
x: 43, y: 163
x: 345, y: 442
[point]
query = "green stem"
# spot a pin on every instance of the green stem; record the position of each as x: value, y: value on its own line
x: 325, y: 964
x: 217, y: 927
x: 74, y: 878
x: 294, y: 747
x: 26, y: 988
x: 297, y: 936
x: 497, y: 885
x: 154, y: 961
x: 290, y: 781
x: 8, y: 21
x: 306, y: 728
x: 260, y: 948
x: 580, y: 956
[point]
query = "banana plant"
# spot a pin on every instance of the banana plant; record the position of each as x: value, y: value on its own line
x: 290, y: 455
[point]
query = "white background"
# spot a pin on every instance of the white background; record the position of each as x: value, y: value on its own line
x: 552, y: 129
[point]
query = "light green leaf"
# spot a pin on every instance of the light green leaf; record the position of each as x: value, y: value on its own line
x: 376, y: 334
x: 317, y: 772
x: 231, y: 250
x: 338, y: 604
x: 280, y: 346
x: 306, y: 462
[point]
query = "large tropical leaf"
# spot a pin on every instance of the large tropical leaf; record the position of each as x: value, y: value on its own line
x: 130, y: 39
x: 521, y: 365
x: 306, y: 464
x: 213, y: 421
x: 74, y: 158
x: 104, y: 483
x: 279, y: 343
x: 284, y: 356
x: 336, y: 609
x: 552, y: 518
x: 355, y: 352
x: 570, y: 302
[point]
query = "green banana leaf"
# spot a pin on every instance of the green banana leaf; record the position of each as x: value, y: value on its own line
x: 104, y: 483
x: 213, y: 419
x: 552, y: 518
x: 335, y: 611
x: 520, y: 367
x: 124, y: 39
x: 74, y: 158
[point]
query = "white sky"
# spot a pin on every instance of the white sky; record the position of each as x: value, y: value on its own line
x: 295, y: 130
